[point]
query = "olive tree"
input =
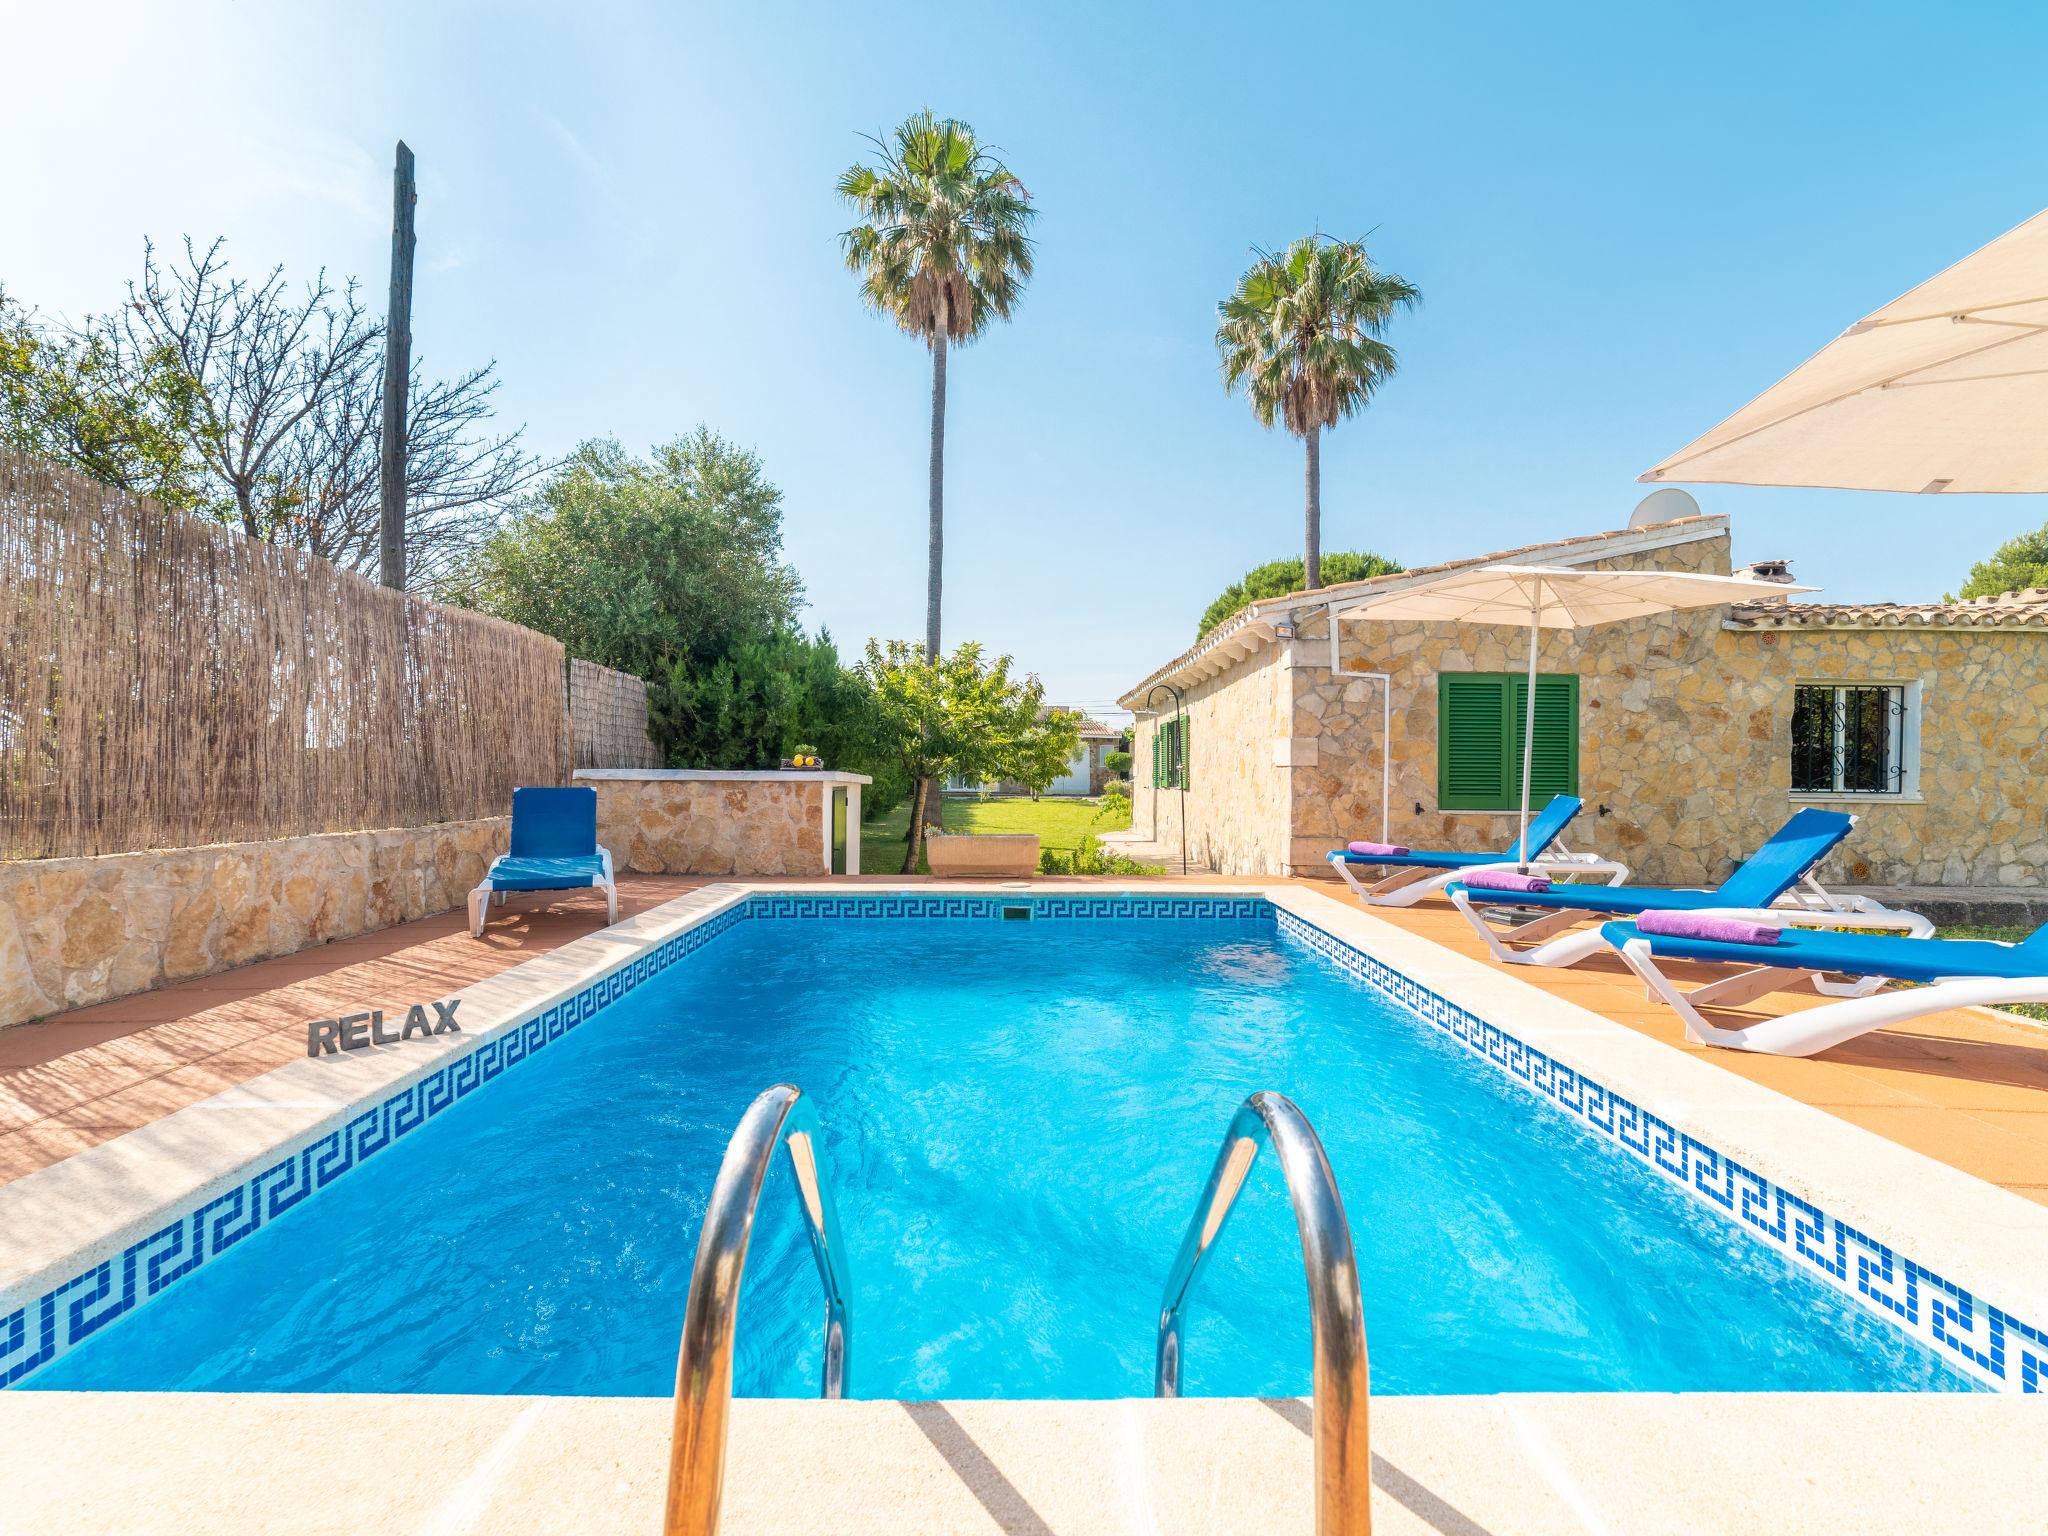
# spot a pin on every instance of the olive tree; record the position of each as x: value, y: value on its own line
x: 958, y: 716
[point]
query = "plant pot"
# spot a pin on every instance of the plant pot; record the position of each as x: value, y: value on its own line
x: 987, y: 855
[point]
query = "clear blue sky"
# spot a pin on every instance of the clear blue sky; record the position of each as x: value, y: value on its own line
x: 1624, y: 222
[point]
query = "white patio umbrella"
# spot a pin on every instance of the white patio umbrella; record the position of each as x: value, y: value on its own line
x: 1943, y: 389
x: 1559, y: 597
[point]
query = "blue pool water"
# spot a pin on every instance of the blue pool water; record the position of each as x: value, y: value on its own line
x: 1018, y: 1118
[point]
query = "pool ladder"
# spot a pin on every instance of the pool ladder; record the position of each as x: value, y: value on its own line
x: 696, y: 1469
x: 782, y: 1116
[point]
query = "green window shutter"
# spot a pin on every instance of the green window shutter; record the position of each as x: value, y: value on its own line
x: 1472, y: 738
x: 1479, y: 739
x: 1170, y: 754
x: 1554, y: 764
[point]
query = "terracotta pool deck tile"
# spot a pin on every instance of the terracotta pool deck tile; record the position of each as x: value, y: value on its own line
x: 49, y: 1140
x: 2031, y: 1124
x: 84, y: 1079
x: 31, y: 1045
x: 75, y: 1080
x: 2020, y: 1159
x: 18, y: 1114
x: 1965, y: 1087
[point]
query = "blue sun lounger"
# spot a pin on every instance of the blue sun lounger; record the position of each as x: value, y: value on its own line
x: 1776, y: 878
x: 1417, y: 875
x: 554, y: 848
x: 1953, y: 973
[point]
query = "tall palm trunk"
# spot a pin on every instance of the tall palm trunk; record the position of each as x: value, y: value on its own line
x: 936, y: 555
x: 1312, y: 530
x: 925, y: 801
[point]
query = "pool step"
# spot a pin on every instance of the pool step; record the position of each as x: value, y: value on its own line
x: 1625, y: 1464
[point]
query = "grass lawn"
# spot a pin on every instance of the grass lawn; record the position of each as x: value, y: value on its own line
x: 2004, y: 935
x: 1059, y: 824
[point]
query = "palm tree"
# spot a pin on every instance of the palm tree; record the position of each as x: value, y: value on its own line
x: 1301, y: 334
x: 941, y: 249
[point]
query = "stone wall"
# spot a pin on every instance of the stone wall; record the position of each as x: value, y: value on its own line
x: 1237, y: 788
x: 1335, y: 789
x: 1720, y: 746
x: 677, y: 826
x: 79, y: 931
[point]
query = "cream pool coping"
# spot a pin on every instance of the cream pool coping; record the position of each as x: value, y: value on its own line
x: 67, y: 1217
x: 1616, y: 1464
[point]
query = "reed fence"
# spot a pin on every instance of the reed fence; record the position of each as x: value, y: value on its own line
x: 166, y: 682
x: 608, y: 718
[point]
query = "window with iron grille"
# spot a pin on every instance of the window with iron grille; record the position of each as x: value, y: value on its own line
x: 1170, y: 753
x: 1850, y: 739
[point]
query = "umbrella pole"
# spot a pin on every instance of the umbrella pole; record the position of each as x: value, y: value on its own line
x: 1529, y: 726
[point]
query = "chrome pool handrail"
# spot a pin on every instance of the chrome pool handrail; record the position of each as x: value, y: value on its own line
x: 696, y: 1468
x: 1342, y: 1384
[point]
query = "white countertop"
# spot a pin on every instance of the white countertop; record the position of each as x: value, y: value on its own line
x: 726, y: 775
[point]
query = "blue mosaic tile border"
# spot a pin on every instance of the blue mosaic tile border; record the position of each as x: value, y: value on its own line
x: 66, y: 1316
x: 1981, y: 1340
x: 1120, y: 907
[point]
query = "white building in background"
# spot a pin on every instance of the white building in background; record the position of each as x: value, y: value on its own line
x: 1086, y: 771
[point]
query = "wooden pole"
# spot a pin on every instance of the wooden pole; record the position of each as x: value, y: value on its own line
x: 397, y: 373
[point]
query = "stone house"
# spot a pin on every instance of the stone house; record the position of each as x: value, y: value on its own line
x: 1691, y: 736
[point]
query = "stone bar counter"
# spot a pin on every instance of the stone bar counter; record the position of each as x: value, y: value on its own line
x: 703, y: 821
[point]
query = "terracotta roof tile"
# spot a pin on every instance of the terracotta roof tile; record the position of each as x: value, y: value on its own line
x: 2025, y: 609
x: 1583, y: 548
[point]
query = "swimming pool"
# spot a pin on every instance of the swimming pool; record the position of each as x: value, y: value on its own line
x: 1018, y: 1117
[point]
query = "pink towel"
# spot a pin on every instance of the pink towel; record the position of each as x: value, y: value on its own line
x: 1385, y: 850
x: 1698, y: 925
x: 1506, y: 880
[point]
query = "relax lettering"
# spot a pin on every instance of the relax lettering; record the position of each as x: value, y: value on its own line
x: 359, y: 1031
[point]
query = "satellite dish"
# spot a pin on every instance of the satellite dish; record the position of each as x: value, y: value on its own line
x: 1666, y: 504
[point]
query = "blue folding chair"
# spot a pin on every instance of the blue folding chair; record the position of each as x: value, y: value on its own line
x: 554, y: 848
x: 1417, y: 874
x: 1778, y: 876
x: 1949, y: 973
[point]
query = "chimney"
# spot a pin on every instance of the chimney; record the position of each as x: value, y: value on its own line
x: 1778, y: 571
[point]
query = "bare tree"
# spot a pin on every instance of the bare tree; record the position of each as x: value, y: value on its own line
x: 289, y: 388
x: 458, y: 473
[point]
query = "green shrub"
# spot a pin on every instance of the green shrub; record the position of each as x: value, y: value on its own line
x: 2015, y: 564
x: 1089, y: 858
x: 1277, y: 578
x: 1118, y: 764
x: 754, y: 705
x: 633, y: 563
